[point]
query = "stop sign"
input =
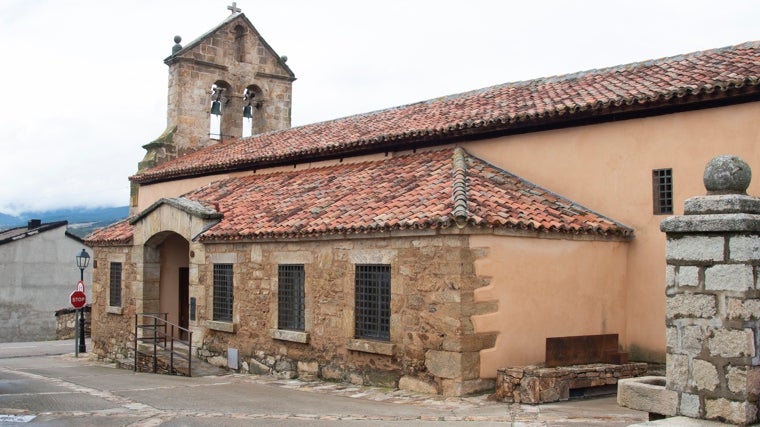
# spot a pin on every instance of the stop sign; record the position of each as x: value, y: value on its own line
x: 78, y: 299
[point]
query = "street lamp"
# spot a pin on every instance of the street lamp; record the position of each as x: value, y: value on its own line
x: 83, y: 260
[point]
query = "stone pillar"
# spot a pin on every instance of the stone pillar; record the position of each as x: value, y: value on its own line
x: 713, y: 298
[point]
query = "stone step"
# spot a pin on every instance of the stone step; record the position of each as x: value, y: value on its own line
x: 200, y: 368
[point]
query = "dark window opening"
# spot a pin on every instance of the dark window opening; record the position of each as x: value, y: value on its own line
x: 222, y: 293
x: 290, y: 296
x: 662, y: 189
x: 114, y: 294
x: 373, y: 301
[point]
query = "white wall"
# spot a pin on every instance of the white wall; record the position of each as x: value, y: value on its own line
x: 37, y: 275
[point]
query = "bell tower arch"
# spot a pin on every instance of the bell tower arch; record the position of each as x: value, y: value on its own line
x: 232, y: 57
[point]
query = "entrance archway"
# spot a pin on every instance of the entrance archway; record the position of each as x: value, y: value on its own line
x: 166, y: 277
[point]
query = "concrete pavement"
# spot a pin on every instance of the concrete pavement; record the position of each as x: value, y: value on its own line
x: 65, y: 391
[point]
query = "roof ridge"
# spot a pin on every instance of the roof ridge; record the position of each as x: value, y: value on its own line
x: 459, y: 187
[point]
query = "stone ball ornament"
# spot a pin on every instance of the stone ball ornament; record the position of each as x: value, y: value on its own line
x: 727, y: 174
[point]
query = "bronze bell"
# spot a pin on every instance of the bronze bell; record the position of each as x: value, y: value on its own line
x: 248, y: 112
x: 216, y: 108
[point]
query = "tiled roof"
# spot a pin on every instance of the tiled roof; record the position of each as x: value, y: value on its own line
x: 119, y: 233
x: 511, y: 107
x: 436, y: 189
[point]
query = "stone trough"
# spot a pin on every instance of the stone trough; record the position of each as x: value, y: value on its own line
x: 540, y: 384
x: 575, y: 366
x: 648, y: 394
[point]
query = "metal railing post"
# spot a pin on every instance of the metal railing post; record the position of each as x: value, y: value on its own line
x: 171, y: 353
x: 169, y: 331
x: 136, y: 317
x: 155, y: 342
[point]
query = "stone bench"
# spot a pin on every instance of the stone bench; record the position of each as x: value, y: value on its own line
x: 540, y: 384
x: 575, y: 363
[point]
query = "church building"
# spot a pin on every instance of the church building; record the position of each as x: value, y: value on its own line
x: 424, y: 246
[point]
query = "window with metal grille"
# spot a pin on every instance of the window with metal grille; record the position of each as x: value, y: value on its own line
x: 223, y: 292
x: 372, y: 311
x: 114, y: 288
x: 290, y: 297
x: 662, y: 190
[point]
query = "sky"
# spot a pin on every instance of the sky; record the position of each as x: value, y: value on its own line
x: 85, y: 83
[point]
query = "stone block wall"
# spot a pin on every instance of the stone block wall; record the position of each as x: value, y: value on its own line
x: 712, y: 321
x: 432, y: 348
x: 65, y: 322
x: 537, y: 384
x: 112, y: 327
x: 713, y: 297
x: 432, y: 344
x: 218, y: 58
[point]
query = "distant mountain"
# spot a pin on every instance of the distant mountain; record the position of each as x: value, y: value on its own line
x: 82, y: 221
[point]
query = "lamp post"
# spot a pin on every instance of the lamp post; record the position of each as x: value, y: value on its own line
x: 83, y: 260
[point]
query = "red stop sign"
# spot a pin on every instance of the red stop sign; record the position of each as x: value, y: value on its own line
x: 78, y: 299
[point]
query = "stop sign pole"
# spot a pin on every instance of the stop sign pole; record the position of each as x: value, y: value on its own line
x: 78, y: 300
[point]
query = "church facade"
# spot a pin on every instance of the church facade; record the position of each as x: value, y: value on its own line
x: 424, y: 246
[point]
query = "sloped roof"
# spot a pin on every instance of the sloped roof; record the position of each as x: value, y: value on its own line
x: 436, y: 189
x: 18, y: 233
x: 727, y: 75
x: 118, y: 233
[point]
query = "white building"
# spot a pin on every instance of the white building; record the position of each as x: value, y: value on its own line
x: 38, y: 272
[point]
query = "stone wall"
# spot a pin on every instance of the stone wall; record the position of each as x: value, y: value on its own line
x: 214, y: 59
x: 713, y: 299
x: 538, y: 384
x: 112, y: 327
x: 432, y: 343
x: 66, y: 319
x: 432, y: 346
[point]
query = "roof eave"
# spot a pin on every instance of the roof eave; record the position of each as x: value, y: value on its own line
x: 491, y: 128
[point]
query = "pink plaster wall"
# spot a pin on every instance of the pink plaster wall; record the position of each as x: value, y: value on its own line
x: 547, y: 288
x: 174, y: 254
x: 608, y: 168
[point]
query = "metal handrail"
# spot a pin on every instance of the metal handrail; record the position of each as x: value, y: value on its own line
x: 162, y: 331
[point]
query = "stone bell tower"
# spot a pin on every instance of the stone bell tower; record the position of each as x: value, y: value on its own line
x: 228, y: 83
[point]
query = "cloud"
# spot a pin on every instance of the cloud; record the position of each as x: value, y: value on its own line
x: 84, y: 83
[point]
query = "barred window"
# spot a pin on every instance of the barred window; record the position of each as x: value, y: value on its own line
x: 662, y: 191
x: 223, y: 292
x: 290, y: 296
x: 373, y: 301
x: 114, y: 287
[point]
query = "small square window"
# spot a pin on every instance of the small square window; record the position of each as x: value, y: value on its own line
x: 662, y: 191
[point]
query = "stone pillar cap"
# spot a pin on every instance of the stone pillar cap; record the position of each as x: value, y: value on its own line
x: 727, y: 174
x: 726, y: 180
x: 726, y: 207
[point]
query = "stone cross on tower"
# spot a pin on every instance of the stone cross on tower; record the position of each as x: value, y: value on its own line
x: 233, y: 8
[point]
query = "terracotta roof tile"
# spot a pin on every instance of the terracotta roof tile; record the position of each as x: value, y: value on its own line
x: 497, y: 108
x: 426, y: 190
x: 119, y: 233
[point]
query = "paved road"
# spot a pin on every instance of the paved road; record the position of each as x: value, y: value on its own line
x: 40, y: 348
x: 61, y: 390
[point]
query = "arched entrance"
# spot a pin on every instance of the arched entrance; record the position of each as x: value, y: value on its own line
x: 166, y: 278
